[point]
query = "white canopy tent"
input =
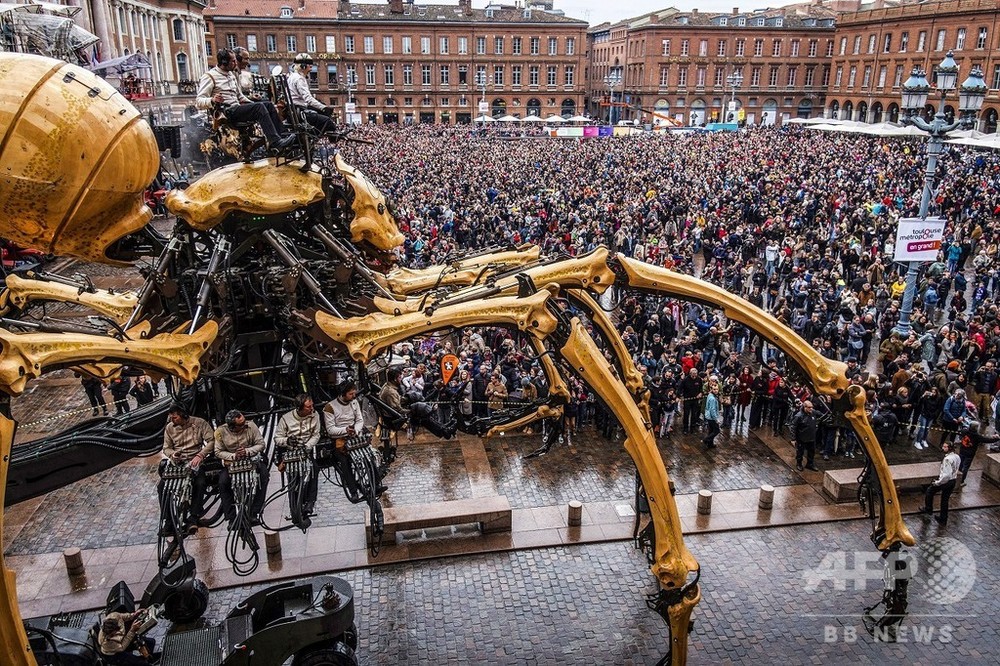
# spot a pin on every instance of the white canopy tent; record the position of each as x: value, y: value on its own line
x: 988, y: 141
x: 532, y: 119
x: 485, y: 119
x: 555, y: 119
x: 579, y: 119
x: 811, y: 121
x: 507, y: 119
x: 871, y: 129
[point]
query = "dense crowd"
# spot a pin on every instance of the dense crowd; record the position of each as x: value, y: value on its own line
x: 799, y: 222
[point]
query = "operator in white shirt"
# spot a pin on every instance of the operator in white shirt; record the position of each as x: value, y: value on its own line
x: 220, y: 89
x: 945, y: 484
x: 315, y: 112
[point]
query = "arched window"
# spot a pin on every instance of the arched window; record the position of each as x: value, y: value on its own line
x: 182, y: 67
x: 989, y: 121
x: 893, y: 113
x: 499, y: 107
x: 876, y: 112
x: 568, y: 108
x: 178, y: 30
x: 534, y: 107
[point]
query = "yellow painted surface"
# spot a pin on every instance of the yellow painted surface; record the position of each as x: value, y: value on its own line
x: 73, y: 165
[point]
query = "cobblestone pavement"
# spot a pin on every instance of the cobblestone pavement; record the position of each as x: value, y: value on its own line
x: 584, y: 604
x: 118, y: 507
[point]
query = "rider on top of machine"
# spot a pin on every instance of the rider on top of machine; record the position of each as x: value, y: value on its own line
x: 220, y: 87
x: 315, y: 112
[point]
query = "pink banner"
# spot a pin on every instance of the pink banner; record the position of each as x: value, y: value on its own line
x: 590, y: 131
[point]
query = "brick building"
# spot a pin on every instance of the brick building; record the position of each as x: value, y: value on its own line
x: 876, y: 48
x: 677, y: 63
x: 401, y: 62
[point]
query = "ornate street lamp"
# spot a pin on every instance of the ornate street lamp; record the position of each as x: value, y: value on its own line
x: 734, y: 80
x: 914, y: 99
x: 612, y: 81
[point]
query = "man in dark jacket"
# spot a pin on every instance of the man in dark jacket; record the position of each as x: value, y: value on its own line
x: 119, y: 391
x: 884, y: 424
x: 803, y: 430
x: 969, y: 441
x: 690, y: 394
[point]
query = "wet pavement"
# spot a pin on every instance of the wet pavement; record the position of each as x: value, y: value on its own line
x: 768, y: 597
x: 545, y: 592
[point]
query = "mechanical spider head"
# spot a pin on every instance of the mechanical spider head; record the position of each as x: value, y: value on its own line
x: 77, y: 157
x: 373, y: 223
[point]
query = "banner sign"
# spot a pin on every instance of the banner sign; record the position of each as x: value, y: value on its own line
x: 918, y: 240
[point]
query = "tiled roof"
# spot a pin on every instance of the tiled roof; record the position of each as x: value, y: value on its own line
x: 327, y: 9
x: 793, y: 16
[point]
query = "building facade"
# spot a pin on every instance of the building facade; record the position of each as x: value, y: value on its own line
x: 681, y: 65
x: 399, y: 62
x: 877, y: 48
x: 170, y: 33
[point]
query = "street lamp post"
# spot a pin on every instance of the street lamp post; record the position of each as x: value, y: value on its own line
x: 612, y: 81
x: 349, y: 106
x: 914, y: 98
x: 735, y: 80
x: 481, y: 81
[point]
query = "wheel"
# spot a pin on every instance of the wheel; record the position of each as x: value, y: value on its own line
x: 187, y: 606
x: 336, y: 654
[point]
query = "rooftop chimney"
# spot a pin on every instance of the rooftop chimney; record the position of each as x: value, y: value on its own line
x: 343, y: 6
x: 465, y: 6
x: 395, y: 6
x: 302, y: 4
x: 736, y: 10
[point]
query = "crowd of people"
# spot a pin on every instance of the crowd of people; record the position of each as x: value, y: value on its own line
x: 799, y: 222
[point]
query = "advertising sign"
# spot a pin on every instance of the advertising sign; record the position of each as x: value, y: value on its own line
x: 918, y: 240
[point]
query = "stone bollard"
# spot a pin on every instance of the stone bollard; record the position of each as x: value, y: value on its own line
x: 74, y: 561
x: 704, y: 502
x: 575, y: 517
x: 272, y: 542
x: 766, y: 500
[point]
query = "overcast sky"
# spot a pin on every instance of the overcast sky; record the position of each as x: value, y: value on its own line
x: 599, y: 11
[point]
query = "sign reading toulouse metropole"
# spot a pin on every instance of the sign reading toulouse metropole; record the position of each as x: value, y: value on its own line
x: 917, y: 239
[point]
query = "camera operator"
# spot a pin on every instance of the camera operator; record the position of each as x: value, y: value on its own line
x: 187, y: 440
x: 239, y: 439
x: 117, y: 646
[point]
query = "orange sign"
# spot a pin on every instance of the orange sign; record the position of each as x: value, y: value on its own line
x: 449, y: 364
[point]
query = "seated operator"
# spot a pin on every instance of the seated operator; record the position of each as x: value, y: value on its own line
x: 316, y: 113
x: 239, y: 439
x: 343, y: 420
x: 187, y: 440
x: 300, y: 427
x: 220, y: 88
